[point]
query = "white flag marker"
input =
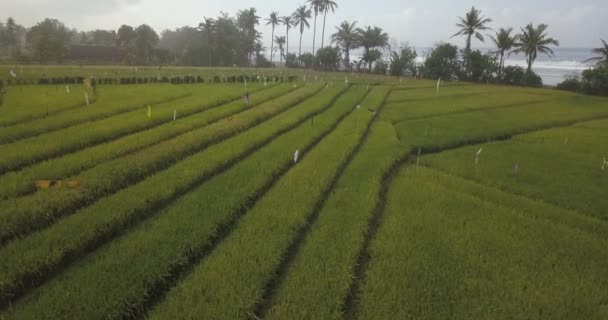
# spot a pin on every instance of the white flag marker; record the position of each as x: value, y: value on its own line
x: 438, y: 84
x: 605, y: 164
x: 86, y: 98
x: 67, y: 89
x: 477, y: 155
x: 13, y: 74
x: 296, y: 156
x: 174, y: 114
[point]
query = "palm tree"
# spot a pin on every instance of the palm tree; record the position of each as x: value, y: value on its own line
x: 316, y: 6
x: 532, y: 40
x: 370, y: 39
x: 280, y: 42
x: 347, y: 37
x: 504, y: 43
x: 326, y: 6
x: 471, y: 25
x: 274, y: 21
x: 287, y: 21
x: 300, y: 19
x: 603, y: 52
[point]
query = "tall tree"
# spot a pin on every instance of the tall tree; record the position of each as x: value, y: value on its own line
x: 533, y: 40
x: 247, y: 20
x: 207, y: 27
x: 10, y: 35
x: 300, y: 19
x: 124, y: 35
x: 602, y: 52
x: 372, y: 38
x: 280, y: 42
x: 145, y: 40
x: 504, y: 43
x: 347, y: 37
x: 316, y: 6
x: 326, y: 5
x: 471, y: 24
x: 48, y: 40
x: 273, y: 20
x: 287, y: 21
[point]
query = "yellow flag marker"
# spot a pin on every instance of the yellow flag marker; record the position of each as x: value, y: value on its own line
x: 149, y: 112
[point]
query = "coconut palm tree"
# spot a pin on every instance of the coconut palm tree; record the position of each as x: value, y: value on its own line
x: 471, y: 24
x: 287, y: 21
x: 316, y: 6
x: 280, y: 42
x: 274, y: 21
x: 300, y: 19
x: 533, y: 40
x: 327, y: 5
x: 603, y: 52
x: 347, y: 37
x: 504, y: 43
x: 370, y: 39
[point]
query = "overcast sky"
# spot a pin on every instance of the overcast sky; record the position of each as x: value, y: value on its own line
x: 420, y: 22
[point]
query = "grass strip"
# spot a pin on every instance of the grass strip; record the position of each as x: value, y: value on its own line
x: 26, y: 214
x: 40, y: 254
x: 19, y: 183
x: 283, y: 215
x: 27, y: 152
x: 176, y: 235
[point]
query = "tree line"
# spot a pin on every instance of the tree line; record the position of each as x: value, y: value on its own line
x: 236, y: 41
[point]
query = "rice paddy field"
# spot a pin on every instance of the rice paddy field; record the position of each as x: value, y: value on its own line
x: 324, y: 196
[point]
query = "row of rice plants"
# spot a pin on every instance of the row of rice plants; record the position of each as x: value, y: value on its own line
x: 450, y: 104
x: 251, y: 255
x: 22, y: 215
x: 21, y: 182
x: 484, y: 125
x: 440, y: 253
x: 552, y: 165
x: 29, y: 151
x: 110, y: 101
x: 317, y: 283
x: 26, y: 103
x: 176, y: 234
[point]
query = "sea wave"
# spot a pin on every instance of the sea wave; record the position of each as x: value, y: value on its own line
x: 566, y: 65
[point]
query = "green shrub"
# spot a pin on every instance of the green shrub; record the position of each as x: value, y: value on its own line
x: 595, y: 81
x: 570, y: 84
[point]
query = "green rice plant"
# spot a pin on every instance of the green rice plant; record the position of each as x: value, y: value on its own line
x: 31, y: 150
x: 484, y: 125
x: 450, y: 104
x: 111, y: 100
x: 552, y: 165
x: 246, y: 261
x: 186, y: 226
x: 317, y: 283
x: 440, y: 253
x: 26, y: 103
x: 21, y: 182
x: 22, y: 215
